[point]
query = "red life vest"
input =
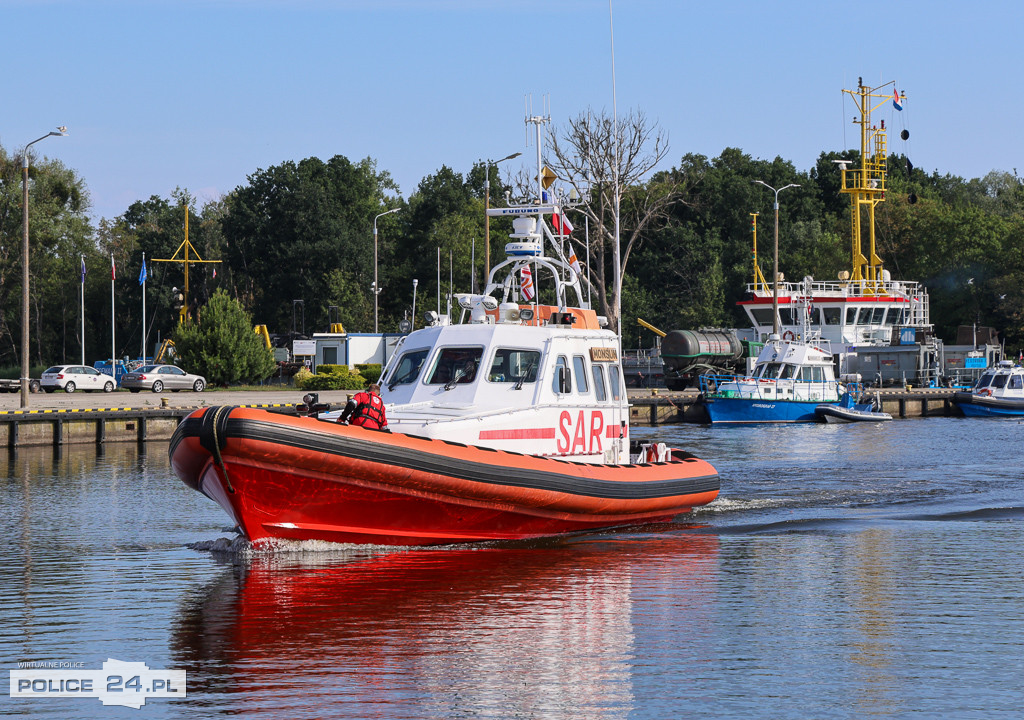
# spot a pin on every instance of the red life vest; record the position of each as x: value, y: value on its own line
x: 369, y: 411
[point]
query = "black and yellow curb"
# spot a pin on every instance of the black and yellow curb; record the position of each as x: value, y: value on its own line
x: 56, y: 411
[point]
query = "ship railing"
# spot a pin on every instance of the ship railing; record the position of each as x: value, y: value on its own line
x: 843, y: 288
x: 753, y: 388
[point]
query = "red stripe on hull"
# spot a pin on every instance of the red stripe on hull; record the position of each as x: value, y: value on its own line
x: 524, y: 434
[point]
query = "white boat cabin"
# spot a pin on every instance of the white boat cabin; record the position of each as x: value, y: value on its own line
x: 796, y: 371
x: 524, y: 378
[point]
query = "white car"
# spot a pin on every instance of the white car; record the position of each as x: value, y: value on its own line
x: 76, y: 377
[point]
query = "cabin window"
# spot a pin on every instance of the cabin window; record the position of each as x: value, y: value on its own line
x: 898, y: 316
x: 1016, y: 382
x: 833, y: 315
x: 984, y: 381
x: 514, y: 366
x: 561, y: 370
x: 785, y: 316
x: 864, y: 318
x: 599, y: 387
x: 455, y: 364
x: 408, y: 368
x: 851, y: 316
x: 788, y: 371
x: 763, y: 316
x: 771, y: 370
x: 579, y: 366
x: 877, y: 315
x: 999, y: 381
x: 613, y: 382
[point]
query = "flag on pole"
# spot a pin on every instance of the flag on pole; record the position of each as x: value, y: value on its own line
x: 526, y: 283
x: 215, y: 271
x: 574, y: 262
x: 143, y: 274
x: 83, y: 271
x: 561, y: 224
x: 113, y: 268
x: 896, y: 100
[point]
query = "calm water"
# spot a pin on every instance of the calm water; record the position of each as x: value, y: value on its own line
x: 846, y: 572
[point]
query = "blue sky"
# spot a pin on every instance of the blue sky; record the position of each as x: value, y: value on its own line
x: 158, y: 95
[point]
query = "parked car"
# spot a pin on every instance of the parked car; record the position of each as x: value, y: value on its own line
x: 76, y: 377
x: 162, y: 377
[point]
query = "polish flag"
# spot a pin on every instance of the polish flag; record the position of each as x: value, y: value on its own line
x: 561, y: 224
x: 526, y: 283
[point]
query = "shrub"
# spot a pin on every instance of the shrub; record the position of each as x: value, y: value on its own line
x: 330, y: 377
x: 370, y: 371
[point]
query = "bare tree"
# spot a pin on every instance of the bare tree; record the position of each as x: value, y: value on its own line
x: 584, y: 155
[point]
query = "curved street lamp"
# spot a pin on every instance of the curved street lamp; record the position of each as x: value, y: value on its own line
x: 376, y: 285
x: 24, y: 263
x: 487, y: 218
x: 775, y: 284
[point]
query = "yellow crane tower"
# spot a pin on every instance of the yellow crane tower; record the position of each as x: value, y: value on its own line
x: 188, y: 256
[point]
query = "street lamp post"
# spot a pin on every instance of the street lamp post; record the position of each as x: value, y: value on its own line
x: 487, y: 218
x: 775, y: 284
x: 24, y: 264
x: 376, y: 285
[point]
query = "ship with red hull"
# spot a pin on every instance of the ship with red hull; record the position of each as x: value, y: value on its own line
x: 508, y: 422
x: 305, y: 479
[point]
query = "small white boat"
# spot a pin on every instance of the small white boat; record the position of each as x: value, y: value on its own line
x: 848, y: 410
x: 998, y: 393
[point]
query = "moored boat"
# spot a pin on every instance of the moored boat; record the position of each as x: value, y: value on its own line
x: 508, y: 422
x: 999, y: 392
x: 790, y: 380
x: 848, y: 410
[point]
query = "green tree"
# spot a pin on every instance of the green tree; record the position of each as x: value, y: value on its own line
x: 222, y: 345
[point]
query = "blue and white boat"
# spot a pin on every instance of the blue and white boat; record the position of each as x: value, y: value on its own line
x: 999, y: 392
x: 851, y: 408
x: 789, y: 381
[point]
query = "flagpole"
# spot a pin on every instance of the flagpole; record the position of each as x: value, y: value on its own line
x: 142, y: 357
x: 83, y: 308
x: 113, y: 353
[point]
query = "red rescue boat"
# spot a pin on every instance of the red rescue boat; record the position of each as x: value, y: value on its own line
x: 303, y: 478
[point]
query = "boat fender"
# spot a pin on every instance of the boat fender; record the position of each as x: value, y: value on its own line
x: 788, y: 335
x: 213, y: 436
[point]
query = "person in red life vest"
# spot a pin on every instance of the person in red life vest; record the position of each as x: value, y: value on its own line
x: 366, y: 409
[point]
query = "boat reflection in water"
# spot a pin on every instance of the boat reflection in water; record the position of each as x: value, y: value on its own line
x: 544, y: 629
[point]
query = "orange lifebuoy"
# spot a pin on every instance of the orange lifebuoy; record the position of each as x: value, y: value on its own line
x: 984, y: 392
x: 788, y: 335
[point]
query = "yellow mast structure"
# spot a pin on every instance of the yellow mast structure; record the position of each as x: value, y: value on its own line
x: 759, y: 282
x: 185, y: 248
x: 866, y: 187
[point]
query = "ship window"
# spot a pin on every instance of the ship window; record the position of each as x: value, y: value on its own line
x: 877, y: 315
x: 408, y: 368
x: 984, y: 381
x: 561, y: 370
x: 851, y: 316
x: 999, y: 381
x: 599, y: 388
x: 898, y: 316
x: 833, y: 315
x: 1016, y: 382
x: 455, y: 363
x: 785, y: 316
x: 788, y: 371
x: 771, y: 370
x: 763, y: 316
x: 514, y: 366
x: 579, y: 365
x: 613, y: 382
x: 816, y: 375
x: 865, y: 316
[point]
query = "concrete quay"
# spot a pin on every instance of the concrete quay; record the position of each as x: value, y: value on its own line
x: 58, y: 419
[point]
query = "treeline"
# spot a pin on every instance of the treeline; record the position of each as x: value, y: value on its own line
x: 296, y: 247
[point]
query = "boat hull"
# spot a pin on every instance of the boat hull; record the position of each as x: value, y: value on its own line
x: 839, y: 414
x: 305, y: 479
x: 724, y: 410
x: 977, y: 406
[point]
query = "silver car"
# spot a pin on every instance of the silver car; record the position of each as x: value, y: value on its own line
x: 76, y: 377
x: 162, y: 377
